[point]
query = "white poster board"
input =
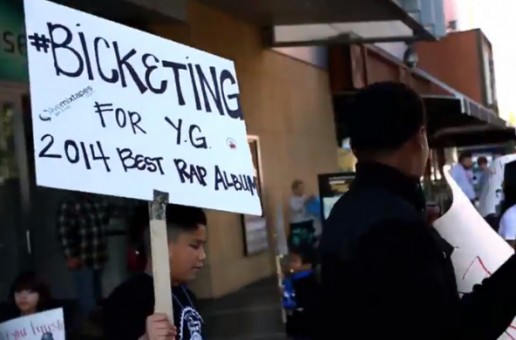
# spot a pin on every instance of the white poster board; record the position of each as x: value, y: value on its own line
x: 479, y: 251
x: 47, y: 325
x: 120, y: 112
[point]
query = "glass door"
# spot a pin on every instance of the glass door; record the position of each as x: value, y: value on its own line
x: 15, y: 245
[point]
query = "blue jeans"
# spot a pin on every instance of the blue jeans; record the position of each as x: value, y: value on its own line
x: 88, y: 288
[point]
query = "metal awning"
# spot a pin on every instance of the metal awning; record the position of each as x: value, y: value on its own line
x: 316, y: 22
x: 451, y: 121
x: 469, y: 137
x: 139, y: 12
x: 456, y: 121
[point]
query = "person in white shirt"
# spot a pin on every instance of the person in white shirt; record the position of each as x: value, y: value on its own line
x: 507, y: 228
x: 302, y: 229
x: 463, y: 175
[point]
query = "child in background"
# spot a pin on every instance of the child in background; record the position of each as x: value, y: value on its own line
x: 301, y: 295
x: 28, y: 295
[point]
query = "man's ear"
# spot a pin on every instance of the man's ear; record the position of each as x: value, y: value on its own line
x: 422, y: 136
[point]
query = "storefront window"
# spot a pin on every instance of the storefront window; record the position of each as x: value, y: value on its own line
x: 8, y: 166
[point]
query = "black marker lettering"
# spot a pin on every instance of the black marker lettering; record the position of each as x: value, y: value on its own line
x: 73, y: 155
x: 176, y: 127
x: 123, y: 62
x: 64, y: 45
x: 120, y: 117
x: 197, y: 142
x: 181, y: 170
x: 205, y: 86
x: 100, y: 109
x: 101, y: 157
x: 148, y: 73
x: 150, y: 164
x: 176, y: 67
x: 135, y: 119
x: 194, y: 87
x: 84, y: 46
x: 233, y: 113
x: 114, y: 74
x: 125, y: 154
x: 44, y: 152
x: 219, y: 179
x: 190, y: 172
x: 139, y: 162
x: 237, y: 182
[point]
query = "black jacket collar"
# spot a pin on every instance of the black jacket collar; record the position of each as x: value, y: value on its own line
x: 380, y: 175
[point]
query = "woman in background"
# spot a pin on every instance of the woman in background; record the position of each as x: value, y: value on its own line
x: 302, y: 230
x: 507, y: 228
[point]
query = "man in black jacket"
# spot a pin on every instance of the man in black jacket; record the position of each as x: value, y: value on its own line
x: 387, y: 273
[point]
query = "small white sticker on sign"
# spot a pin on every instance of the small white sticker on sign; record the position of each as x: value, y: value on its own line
x: 120, y: 112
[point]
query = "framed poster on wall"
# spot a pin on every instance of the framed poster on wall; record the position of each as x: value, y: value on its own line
x: 331, y: 188
x: 256, y: 238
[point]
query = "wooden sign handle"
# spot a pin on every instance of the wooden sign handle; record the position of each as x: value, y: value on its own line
x: 160, y: 256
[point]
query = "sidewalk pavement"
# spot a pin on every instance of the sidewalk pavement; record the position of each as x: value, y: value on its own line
x: 253, y: 313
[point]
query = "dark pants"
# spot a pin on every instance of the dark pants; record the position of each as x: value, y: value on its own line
x: 88, y: 288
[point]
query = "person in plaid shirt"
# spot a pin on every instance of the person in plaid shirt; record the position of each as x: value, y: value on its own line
x: 82, y: 222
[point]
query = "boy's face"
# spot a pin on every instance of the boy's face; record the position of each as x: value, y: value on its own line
x: 296, y: 263
x: 299, y: 190
x: 187, y: 254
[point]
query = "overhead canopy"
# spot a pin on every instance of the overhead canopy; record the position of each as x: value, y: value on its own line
x: 461, y: 122
x: 315, y: 22
x: 451, y: 121
x: 139, y: 12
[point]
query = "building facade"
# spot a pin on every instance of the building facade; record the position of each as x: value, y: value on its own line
x: 293, y: 95
x: 288, y: 110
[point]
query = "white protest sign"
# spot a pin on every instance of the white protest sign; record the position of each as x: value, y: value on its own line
x: 120, y: 112
x: 47, y: 325
x: 479, y: 251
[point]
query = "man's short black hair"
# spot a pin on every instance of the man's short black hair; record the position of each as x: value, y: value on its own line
x: 482, y: 160
x: 465, y: 155
x: 384, y: 116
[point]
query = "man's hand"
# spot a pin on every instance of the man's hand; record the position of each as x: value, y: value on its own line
x: 158, y: 327
x: 73, y: 263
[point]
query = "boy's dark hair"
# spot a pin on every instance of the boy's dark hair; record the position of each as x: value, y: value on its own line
x: 307, y: 254
x: 180, y: 219
x: 384, y: 116
x: 30, y: 282
x: 465, y: 154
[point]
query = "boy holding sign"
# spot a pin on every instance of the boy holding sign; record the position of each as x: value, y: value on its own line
x: 129, y: 309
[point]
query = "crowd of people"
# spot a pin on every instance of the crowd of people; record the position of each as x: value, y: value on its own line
x: 473, y: 184
x: 378, y: 269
